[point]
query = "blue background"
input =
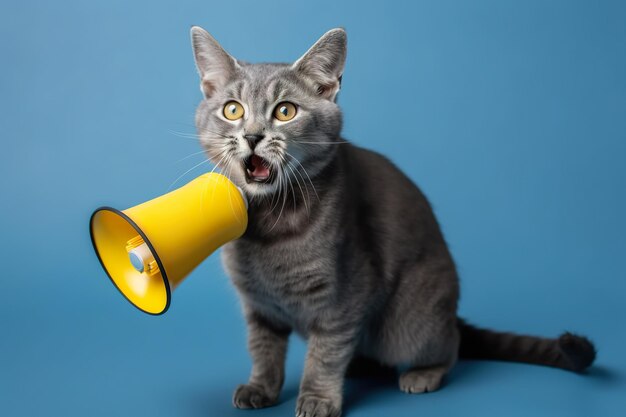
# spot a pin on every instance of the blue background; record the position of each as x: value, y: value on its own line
x: 510, y: 115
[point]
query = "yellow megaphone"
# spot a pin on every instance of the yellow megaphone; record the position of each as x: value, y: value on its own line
x: 148, y: 250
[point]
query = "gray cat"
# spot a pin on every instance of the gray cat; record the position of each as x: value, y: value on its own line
x: 341, y: 246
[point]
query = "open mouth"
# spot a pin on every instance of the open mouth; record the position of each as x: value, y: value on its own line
x: 258, y: 169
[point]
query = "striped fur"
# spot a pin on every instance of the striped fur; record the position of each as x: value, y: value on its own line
x: 569, y: 351
x: 341, y: 247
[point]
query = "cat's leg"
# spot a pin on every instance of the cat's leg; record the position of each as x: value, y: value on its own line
x: 417, y: 380
x: 432, y: 364
x: 267, y: 343
x: 421, y: 327
x: 328, y: 356
x: 428, y: 371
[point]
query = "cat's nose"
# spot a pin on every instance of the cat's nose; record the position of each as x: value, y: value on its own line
x: 253, y: 140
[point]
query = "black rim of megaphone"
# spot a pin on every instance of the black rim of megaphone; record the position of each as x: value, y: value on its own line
x: 145, y: 239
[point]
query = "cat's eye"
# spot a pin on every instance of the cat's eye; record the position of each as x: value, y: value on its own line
x: 233, y: 110
x: 285, y: 111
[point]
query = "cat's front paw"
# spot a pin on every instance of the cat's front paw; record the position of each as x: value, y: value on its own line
x: 252, y: 396
x: 311, y: 405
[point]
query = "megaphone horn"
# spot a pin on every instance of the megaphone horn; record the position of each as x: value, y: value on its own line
x: 149, y: 249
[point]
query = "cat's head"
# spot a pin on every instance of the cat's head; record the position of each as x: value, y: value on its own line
x: 269, y: 126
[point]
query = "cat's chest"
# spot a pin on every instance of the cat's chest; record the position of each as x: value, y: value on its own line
x: 290, y: 281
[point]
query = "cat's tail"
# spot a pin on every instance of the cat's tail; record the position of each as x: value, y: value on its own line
x: 569, y: 351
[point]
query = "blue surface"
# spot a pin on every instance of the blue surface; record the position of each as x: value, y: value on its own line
x: 512, y: 118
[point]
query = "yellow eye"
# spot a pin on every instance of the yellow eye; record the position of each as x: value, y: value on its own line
x: 233, y: 110
x: 285, y: 111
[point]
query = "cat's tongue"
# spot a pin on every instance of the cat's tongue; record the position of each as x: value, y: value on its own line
x: 259, y: 169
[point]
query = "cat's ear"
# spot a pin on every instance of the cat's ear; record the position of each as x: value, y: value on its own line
x: 214, y: 64
x: 322, y: 65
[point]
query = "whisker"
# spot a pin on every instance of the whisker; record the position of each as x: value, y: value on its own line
x: 187, y: 172
x: 192, y: 168
x: 282, y: 207
x: 306, y: 173
x: 195, y: 136
x: 229, y: 195
x: 304, y: 199
x: 275, y: 195
x: 181, y: 134
x: 310, y: 140
x: 190, y: 155
x: 317, y: 143
x: 203, y: 129
x: 225, y: 154
x: 293, y: 193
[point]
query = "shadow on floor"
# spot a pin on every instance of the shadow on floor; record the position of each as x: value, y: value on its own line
x: 359, y: 392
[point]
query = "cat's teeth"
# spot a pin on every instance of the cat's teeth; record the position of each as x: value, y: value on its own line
x: 257, y: 168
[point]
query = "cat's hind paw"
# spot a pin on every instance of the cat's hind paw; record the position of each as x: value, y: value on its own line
x: 252, y: 396
x: 314, y: 406
x: 417, y: 381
